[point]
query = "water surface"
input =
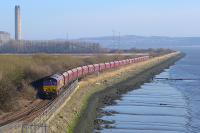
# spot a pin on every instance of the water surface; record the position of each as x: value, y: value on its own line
x: 160, y: 106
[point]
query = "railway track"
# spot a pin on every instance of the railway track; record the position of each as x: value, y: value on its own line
x: 28, y: 114
x: 36, y: 109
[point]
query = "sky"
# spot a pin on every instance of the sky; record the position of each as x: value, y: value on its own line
x: 61, y: 19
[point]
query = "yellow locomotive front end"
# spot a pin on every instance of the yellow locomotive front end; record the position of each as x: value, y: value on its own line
x: 53, y: 84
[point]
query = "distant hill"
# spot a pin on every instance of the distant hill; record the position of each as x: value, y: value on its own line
x: 130, y: 41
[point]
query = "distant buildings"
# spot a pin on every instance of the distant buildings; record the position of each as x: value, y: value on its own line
x: 4, y: 37
x: 17, y: 23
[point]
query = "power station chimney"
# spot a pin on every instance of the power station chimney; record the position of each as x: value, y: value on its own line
x: 17, y: 23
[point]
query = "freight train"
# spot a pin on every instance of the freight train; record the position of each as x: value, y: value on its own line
x: 53, y: 85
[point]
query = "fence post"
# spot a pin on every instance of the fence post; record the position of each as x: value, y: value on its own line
x: 45, y: 128
x: 22, y: 128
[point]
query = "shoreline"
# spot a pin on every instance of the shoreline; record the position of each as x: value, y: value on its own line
x: 88, y: 121
x: 79, y: 113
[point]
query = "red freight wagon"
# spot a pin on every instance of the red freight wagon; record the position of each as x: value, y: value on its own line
x: 132, y: 60
x: 143, y: 58
x: 96, y: 67
x: 91, y: 68
x: 124, y: 62
x: 140, y: 59
x: 66, y: 76
x: 75, y: 73
x: 102, y: 66
x: 85, y: 70
x: 70, y: 75
x: 135, y: 60
x: 120, y: 63
x: 116, y: 63
x: 128, y: 61
x: 112, y: 64
x: 80, y: 71
x: 107, y: 65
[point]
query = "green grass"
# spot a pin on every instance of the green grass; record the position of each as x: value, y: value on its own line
x: 85, y: 103
x: 18, y: 71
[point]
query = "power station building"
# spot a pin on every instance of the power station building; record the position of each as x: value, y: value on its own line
x: 4, y: 37
x: 17, y: 23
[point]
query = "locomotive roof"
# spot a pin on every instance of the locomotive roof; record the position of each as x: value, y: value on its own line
x: 74, y: 69
x: 56, y: 77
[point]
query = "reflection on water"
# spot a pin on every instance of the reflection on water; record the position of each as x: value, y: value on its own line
x: 155, y: 107
x: 161, y: 106
x: 189, y: 67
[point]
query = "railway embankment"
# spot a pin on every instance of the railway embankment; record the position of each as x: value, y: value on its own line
x: 79, y: 112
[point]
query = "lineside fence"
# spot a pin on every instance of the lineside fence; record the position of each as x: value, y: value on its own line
x: 49, y: 111
x: 39, y: 124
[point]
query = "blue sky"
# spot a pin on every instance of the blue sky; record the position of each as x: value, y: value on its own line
x: 51, y: 19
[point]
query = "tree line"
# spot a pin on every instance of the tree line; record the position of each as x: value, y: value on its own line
x: 23, y: 46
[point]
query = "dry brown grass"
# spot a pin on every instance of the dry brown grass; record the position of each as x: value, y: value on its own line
x: 18, y: 71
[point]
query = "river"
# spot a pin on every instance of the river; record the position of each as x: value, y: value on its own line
x: 161, y: 106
